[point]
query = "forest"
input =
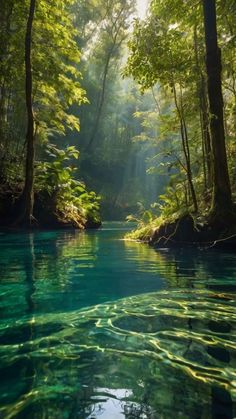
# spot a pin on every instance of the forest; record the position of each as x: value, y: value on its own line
x: 117, y: 131
x: 99, y: 119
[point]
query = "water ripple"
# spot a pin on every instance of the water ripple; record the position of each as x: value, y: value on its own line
x: 179, y: 336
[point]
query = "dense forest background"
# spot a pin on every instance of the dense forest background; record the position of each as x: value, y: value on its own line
x: 127, y: 96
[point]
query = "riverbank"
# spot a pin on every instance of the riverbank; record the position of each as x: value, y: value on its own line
x: 187, y: 231
x: 49, y: 211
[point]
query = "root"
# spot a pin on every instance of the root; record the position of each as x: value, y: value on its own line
x: 221, y: 240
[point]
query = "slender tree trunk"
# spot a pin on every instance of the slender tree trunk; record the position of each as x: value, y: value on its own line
x: 222, y: 200
x: 5, y: 24
x: 204, y: 117
x: 3, y: 115
x: 206, y: 134
x: 185, y: 143
x: 206, y: 138
x: 28, y: 193
x: 100, y: 101
x: 115, y: 44
x: 185, y: 146
x: 203, y: 151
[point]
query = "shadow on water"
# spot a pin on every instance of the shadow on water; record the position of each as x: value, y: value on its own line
x: 95, y: 327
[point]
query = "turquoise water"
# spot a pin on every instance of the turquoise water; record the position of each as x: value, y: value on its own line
x: 92, y: 326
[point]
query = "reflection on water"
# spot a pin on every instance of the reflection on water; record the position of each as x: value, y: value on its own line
x: 95, y: 327
x: 70, y: 269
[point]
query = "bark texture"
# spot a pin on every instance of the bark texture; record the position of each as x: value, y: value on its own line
x: 28, y: 193
x: 222, y: 200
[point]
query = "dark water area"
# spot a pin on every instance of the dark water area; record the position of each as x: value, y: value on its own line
x: 92, y: 326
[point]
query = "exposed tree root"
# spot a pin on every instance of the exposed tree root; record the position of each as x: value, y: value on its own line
x: 185, y: 231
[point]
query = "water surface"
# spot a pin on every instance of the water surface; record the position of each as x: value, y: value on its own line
x: 92, y: 326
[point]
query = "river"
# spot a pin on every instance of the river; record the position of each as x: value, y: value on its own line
x: 92, y: 326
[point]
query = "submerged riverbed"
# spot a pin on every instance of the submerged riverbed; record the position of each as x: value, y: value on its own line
x: 92, y: 326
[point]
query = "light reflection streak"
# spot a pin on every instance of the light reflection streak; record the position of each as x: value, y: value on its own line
x: 150, y: 328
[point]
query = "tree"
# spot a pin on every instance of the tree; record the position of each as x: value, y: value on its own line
x: 197, y: 90
x: 162, y: 63
x: 221, y: 200
x: 113, y: 30
x: 28, y: 192
x: 43, y: 74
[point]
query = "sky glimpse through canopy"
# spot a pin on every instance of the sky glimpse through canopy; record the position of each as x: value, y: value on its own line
x: 142, y: 7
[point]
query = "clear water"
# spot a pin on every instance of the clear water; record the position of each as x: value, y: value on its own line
x: 92, y: 327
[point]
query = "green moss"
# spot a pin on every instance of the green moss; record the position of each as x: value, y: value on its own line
x: 145, y: 230
x: 139, y: 234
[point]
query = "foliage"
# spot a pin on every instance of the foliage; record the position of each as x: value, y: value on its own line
x: 71, y: 201
x: 145, y: 220
x: 137, y: 151
x: 56, y: 87
x: 88, y: 39
x: 55, y: 60
x: 167, y: 57
x: 148, y: 220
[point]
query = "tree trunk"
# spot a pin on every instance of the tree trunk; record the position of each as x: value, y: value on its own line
x: 206, y: 133
x: 115, y: 44
x: 5, y: 24
x: 28, y: 193
x: 185, y: 146
x: 206, y: 138
x: 221, y: 200
x: 100, y: 101
x: 204, y: 117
